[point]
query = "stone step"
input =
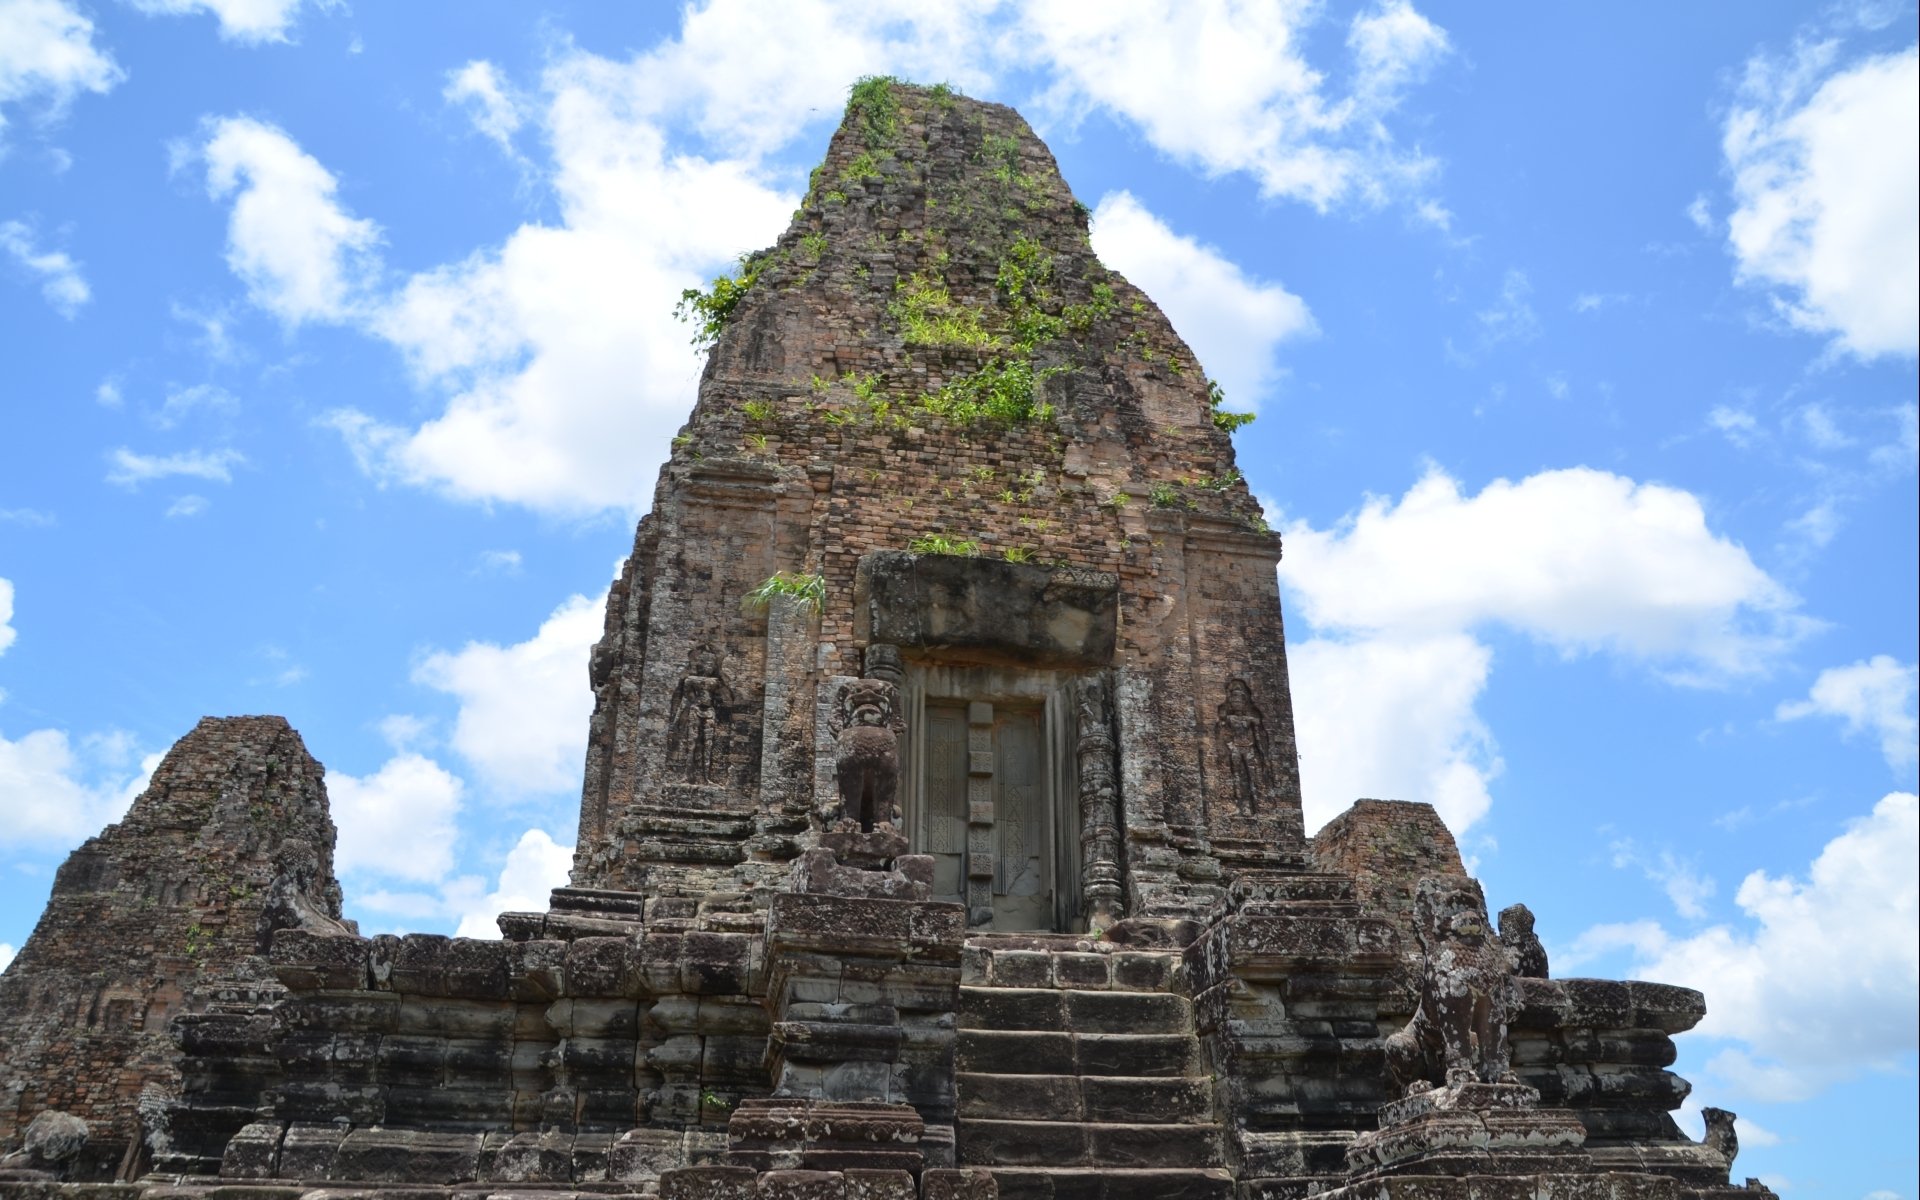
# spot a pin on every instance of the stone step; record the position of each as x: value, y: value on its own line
x: 1077, y: 1144
x: 1122, y: 1098
x: 1023, y: 1052
x: 1071, y: 1010
x: 1095, y: 1183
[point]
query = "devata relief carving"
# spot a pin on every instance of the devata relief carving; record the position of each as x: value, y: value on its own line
x: 1243, y: 743
x: 697, y: 719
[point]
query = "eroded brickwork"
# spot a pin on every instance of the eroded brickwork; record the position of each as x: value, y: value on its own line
x: 938, y: 260
x: 230, y: 842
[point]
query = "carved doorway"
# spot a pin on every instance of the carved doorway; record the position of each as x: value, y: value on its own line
x: 988, y: 794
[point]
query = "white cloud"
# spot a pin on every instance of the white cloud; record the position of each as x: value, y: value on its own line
x: 1700, y: 213
x: 60, y: 280
x: 534, y: 867
x: 301, y: 255
x: 565, y: 365
x: 56, y: 793
x: 253, y: 21
x: 129, y: 469
x: 1391, y: 718
x: 1876, y: 696
x: 6, y: 956
x: 1234, y: 323
x: 562, y: 369
x: 1510, y: 318
x: 1683, y: 883
x: 478, y: 86
x: 47, y: 52
x: 499, y: 562
x: 182, y: 403
x: 1580, y: 559
x: 1826, y: 178
x: 1265, y: 110
x: 7, y: 632
x: 523, y: 708
x: 188, y: 505
x: 1822, y: 979
x: 398, y: 823
x: 1737, y: 425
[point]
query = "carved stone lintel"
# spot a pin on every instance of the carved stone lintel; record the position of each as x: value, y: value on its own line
x: 1102, y: 895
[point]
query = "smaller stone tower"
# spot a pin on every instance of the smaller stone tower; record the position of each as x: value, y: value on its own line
x: 230, y: 842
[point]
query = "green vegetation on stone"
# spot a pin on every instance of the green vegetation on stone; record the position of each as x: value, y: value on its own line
x: 1222, y: 419
x: 999, y: 391
x: 811, y: 589
x: 708, y: 311
x: 940, y: 543
x: 929, y: 316
x: 873, y: 102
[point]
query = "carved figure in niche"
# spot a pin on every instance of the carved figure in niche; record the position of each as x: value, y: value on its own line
x: 1459, y: 1031
x: 695, y: 717
x: 1516, y: 934
x: 1243, y: 743
x: 867, y: 730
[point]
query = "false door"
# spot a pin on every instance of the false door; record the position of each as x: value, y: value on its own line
x: 985, y: 814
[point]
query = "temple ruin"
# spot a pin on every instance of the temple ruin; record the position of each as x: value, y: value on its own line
x: 940, y: 836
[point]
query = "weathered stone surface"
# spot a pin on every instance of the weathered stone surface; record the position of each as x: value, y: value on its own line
x: 941, y: 819
x: 229, y: 843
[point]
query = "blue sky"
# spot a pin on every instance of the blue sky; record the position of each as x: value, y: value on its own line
x: 339, y: 363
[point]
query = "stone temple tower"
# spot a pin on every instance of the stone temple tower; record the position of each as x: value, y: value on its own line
x: 941, y: 832
x: 1004, y: 477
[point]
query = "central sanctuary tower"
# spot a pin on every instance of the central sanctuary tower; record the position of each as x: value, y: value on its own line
x: 980, y: 465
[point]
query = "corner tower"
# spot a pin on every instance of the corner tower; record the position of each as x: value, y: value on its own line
x: 939, y: 443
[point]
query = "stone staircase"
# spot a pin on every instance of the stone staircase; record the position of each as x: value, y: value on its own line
x: 1079, y: 1075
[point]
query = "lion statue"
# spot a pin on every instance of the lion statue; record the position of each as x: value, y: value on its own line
x: 1458, y: 1033
x: 867, y: 765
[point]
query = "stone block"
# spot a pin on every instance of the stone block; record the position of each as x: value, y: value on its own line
x: 536, y: 971
x: 307, y: 1150
x: 1072, y: 969
x: 407, y: 1156
x: 603, y: 967
x: 309, y: 961
x: 641, y: 1155
x: 802, y: 1185
x: 477, y: 969
x: 1022, y: 969
x: 708, y: 1183
x: 963, y: 1183
x: 868, y: 1184
x: 252, y: 1153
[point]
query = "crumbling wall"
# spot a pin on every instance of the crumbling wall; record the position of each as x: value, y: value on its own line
x: 230, y: 841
